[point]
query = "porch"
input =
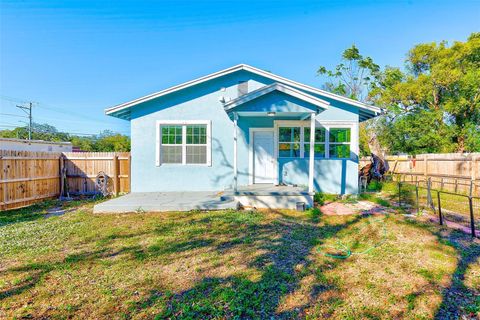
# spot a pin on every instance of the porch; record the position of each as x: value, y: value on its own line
x: 268, y: 121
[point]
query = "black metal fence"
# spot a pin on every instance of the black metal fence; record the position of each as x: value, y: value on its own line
x: 458, y: 209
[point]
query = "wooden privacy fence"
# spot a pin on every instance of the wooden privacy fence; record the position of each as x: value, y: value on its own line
x: 28, y: 177
x: 83, y: 167
x: 447, y: 171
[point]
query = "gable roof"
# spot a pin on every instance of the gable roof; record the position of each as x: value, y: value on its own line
x: 122, y: 110
x: 276, y: 87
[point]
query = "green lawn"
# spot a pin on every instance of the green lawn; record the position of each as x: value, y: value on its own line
x: 232, y: 264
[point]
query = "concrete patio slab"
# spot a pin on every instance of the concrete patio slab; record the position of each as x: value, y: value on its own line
x: 270, y: 196
x: 165, y: 201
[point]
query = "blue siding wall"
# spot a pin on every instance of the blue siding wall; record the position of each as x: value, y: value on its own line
x: 202, y: 103
x: 331, y: 175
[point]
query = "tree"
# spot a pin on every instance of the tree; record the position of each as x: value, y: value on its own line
x: 39, y: 132
x: 110, y: 141
x: 106, y: 141
x: 354, y: 77
x: 434, y: 106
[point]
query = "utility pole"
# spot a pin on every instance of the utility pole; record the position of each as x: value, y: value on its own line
x: 28, y: 111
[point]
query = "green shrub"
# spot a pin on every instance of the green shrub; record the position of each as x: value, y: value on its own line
x: 314, y: 214
x: 374, y: 185
x: 390, y: 187
x: 321, y: 197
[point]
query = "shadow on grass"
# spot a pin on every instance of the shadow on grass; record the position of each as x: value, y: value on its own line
x: 39, y: 210
x: 282, y: 258
x: 457, y: 299
x: 37, y: 271
x: 285, y: 244
x: 30, y: 213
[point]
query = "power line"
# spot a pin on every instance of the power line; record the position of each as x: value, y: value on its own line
x: 5, y: 124
x: 58, y: 110
x: 13, y: 115
x: 8, y: 125
x: 12, y: 99
x: 51, y: 108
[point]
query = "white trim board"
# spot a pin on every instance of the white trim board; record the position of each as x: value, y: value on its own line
x: 245, y: 67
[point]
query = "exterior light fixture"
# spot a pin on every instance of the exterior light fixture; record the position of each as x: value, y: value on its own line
x: 271, y: 113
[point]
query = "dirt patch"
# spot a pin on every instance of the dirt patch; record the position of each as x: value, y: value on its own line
x: 57, y: 211
x: 359, y: 207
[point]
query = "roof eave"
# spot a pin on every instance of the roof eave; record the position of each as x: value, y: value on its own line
x: 111, y: 111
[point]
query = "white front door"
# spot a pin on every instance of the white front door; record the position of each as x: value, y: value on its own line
x: 263, y: 157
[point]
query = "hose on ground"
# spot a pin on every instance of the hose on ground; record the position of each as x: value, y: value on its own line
x: 345, y: 252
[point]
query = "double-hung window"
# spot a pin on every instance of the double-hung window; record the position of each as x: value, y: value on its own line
x: 339, y: 142
x: 183, y: 142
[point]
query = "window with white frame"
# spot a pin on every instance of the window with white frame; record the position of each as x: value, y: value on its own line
x: 339, y: 142
x: 319, y: 147
x: 331, y: 140
x: 183, y: 142
x: 289, y: 142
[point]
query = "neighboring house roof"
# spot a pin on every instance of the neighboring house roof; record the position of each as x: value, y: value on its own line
x: 15, y: 140
x: 122, y: 110
x: 276, y: 87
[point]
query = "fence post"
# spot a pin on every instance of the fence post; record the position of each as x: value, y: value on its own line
x: 129, y: 172
x: 439, y: 208
x: 473, y: 173
x: 399, y: 196
x: 472, y: 220
x: 425, y: 163
x: 416, y: 194
x: 115, y: 174
x: 62, y: 181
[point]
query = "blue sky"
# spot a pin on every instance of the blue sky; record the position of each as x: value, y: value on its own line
x: 76, y: 58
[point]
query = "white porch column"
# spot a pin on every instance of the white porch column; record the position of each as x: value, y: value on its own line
x: 312, y: 155
x: 235, y: 144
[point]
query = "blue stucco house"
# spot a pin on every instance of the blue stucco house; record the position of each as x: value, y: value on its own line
x: 241, y: 128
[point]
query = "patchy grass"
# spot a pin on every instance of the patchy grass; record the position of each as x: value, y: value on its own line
x: 232, y: 264
x: 321, y: 198
x: 375, y: 198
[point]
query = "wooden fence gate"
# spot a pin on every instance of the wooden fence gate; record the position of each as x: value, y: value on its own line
x: 28, y: 177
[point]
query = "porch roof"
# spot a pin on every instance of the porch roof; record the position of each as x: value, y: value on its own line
x: 284, y: 110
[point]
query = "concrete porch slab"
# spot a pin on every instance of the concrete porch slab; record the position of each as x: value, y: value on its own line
x: 270, y: 196
x: 165, y: 201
